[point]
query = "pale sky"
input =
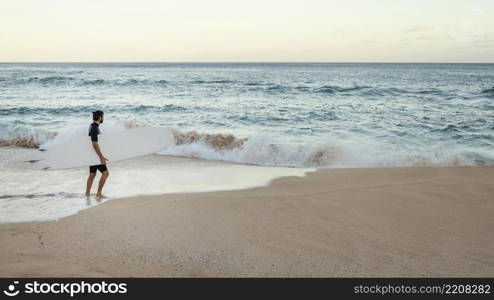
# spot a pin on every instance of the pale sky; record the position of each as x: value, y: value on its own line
x: 247, y: 31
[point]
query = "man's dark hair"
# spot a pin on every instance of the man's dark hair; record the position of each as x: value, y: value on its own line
x: 97, y: 114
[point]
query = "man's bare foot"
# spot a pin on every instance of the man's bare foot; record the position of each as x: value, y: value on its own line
x: 99, y: 197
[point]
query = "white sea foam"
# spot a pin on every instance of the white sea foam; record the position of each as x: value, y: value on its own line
x: 327, y: 151
x: 321, y: 152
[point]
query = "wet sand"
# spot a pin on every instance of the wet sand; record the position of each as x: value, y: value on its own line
x: 423, y: 221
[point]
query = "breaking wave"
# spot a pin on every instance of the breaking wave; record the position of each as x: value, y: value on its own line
x: 22, y: 142
x: 24, y: 138
x: 266, y: 150
x: 320, y: 153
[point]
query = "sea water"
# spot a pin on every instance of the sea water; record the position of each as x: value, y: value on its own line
x: 234, y: 115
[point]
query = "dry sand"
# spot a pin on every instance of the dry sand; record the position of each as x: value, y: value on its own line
x: 337, y: 222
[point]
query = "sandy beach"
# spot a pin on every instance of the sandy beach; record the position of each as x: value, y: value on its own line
x: 423, y: 221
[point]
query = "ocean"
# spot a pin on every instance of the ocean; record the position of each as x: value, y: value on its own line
x: 254, y: 117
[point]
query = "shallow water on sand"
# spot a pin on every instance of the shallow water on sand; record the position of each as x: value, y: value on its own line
x: 29, y: 194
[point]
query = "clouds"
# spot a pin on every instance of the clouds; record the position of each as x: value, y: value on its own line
x: 419, y: 29
x: 465, y: 32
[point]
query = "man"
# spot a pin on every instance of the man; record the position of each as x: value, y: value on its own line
x: 93, y: 133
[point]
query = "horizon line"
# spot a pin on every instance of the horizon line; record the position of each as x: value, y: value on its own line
x: 234, y: 62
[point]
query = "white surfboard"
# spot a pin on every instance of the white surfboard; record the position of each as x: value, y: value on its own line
x: 115, y: 146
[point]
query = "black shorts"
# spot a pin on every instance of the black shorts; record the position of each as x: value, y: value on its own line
x: 101, y: 168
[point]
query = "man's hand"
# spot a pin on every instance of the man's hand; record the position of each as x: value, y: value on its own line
x: 103, y: 160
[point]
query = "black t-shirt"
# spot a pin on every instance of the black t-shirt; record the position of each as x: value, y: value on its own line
x: 94, y: 131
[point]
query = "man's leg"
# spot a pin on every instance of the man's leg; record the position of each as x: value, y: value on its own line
x: 102, y: 181
x: 90, y: 180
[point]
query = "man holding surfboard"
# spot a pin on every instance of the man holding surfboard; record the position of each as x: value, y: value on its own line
x: 93, y: 134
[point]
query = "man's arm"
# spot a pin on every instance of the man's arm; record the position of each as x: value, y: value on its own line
x: 94, y: 138
x: 98, y: 151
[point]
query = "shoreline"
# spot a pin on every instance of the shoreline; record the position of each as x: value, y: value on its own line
x: 373, y: 222
x: 31, y: 194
